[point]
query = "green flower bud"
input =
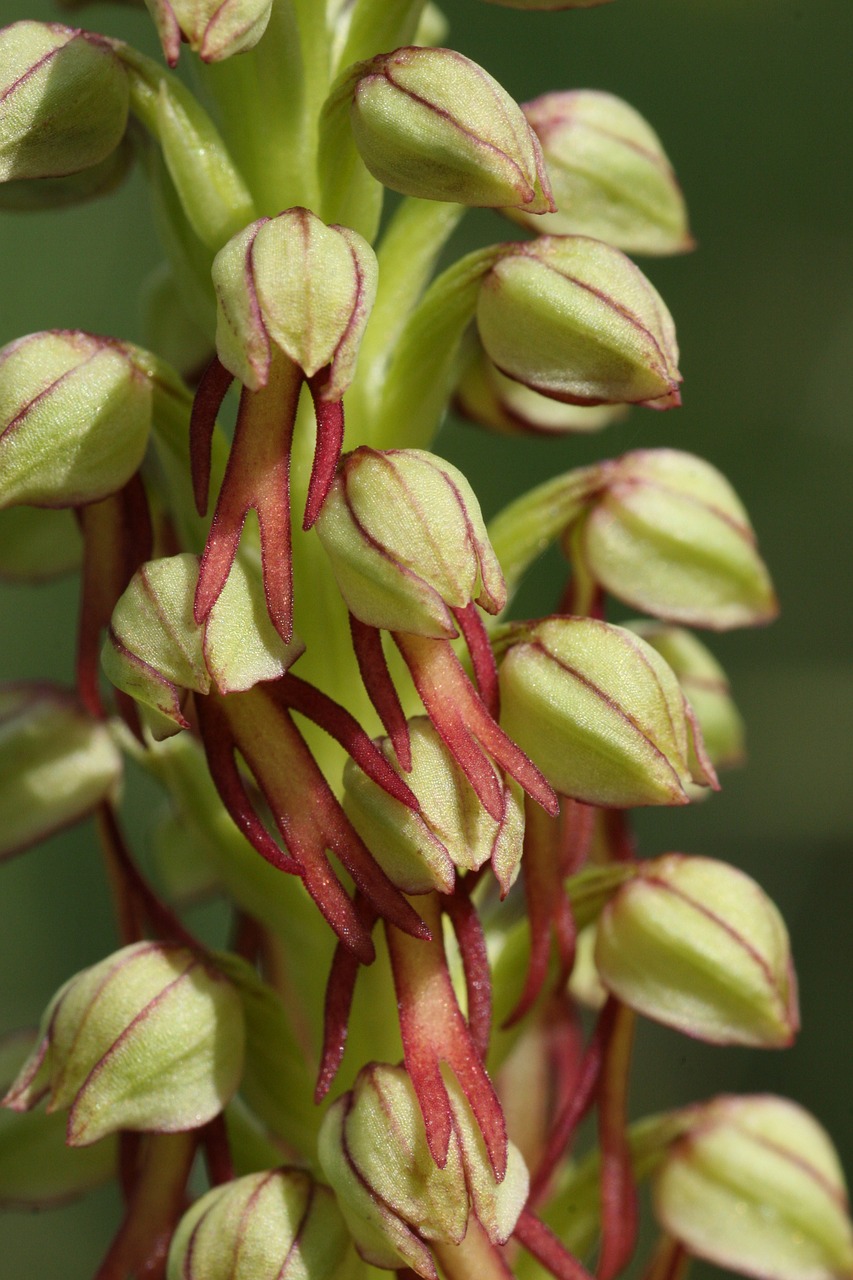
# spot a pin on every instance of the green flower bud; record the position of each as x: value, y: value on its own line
x: 755, y: 1186
x: 296, y: 284
x: 407, y: 542
x: 75, y: 413
x: 63, y: 100
x: 420, y: 850
x: 28, y: 195
x: 705, y: 686
x: 395, y: 1199
x: 155, y: 649
x: 601, y: 714
x: 212, y: 29
x: 433, y: 124
x: 576, y: 320
x: 697, y: 945
x: 56, y: 763
x: 610, y: 175
x: 275, y: 1225
x: 668, y: 535
x: 149, y: 1039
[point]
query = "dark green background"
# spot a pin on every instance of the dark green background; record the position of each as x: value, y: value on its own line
x: 753, y: 104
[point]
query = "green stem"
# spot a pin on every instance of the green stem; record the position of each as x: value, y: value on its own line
x: 380, y: 27
x: 475, y: 1256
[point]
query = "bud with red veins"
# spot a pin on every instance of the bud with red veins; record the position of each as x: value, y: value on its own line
x: 397, y: 1201
x: 278, y: 1224
x: 150, y: 1039
x: 601, y: 714
x: 64, y: 100
x: 421, y: 849
x: 576, y: 320
x: 755, y: 1186
x: 697, y: 945
x: 433, y: 124
x: 213, y: 29
x: 75, y: 416
x: 610, y: 174
x: 667, y: 534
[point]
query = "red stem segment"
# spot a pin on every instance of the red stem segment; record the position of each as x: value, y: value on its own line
x: 547, y: 1249
x: 212, y: 389
x: 340, y: 990
x: 469, y: 934
x: 327, y: 451
x: 367, y: 645
x: 483, y: 659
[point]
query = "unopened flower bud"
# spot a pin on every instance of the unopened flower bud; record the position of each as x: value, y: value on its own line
x: 396, y: 1200
x: 610, y: 175
x: 407, y: 542
x: 601, y: 714
x: 275, y: 1225
x: 432, y: 123
x: 574, y: 319
x: 706, y: 688
x: 697, y: 945
x: 155, y: 649
x: 75, y: 413
x: 56, y: 763
x: 755, y: 1186
x: 668, y: 535
x: 212, y: 29
x: 63, y: 100
x: 292, y: 282
x: 149, y: 1039
x: 419, y: 850
x: 31, y: 195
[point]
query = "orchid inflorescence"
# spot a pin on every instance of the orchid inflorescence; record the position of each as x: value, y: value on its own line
x: 294, y: 618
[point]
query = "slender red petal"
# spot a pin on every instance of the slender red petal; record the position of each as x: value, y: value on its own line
x: 475, y: 965
x: 483, y: 659
x: 339, y: 996
x: 345, y: 729
x: 212, y: 388
x: 327, y: 452
x: 618, y: 1192
x: 367, y: 644
x: 547, y: 1249
x: 434, y: 1031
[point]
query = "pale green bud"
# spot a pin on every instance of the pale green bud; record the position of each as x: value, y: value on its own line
x: 420, y: 850
x: 576, y: 320
x: 212, y: 29
x: 63, y: 100
x: 601, y: 714
x: 432, y: 123
x: 395, y: 1198
x: 609, y: 172
x: 697, y: 945
x: 75, y: 414
x: 668, y: 535
x: 28, y: 195
x: 292, y: 282
x: 275, y: 1225
x: 755, y: 1186
x: 56, y: 763
x: 706, y: 688
x: 407, y: 542
x: 149, y: 1039
x: 155, y: 649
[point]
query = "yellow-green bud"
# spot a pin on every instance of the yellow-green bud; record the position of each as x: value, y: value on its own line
x: 601, y: 714
x: 420, y: 850
x: 63, y: 100
x: 396, y: 1200
x: 149, y: 1039
x: 668, y: 535
x: 576, y: 320
x: 432, y: 123
x: 292, y: 282
x: 755, y: 1186
x: 697, y: 945
x: 609, y: 172
x: 75, y: 414
x: 56, y: 763
x: 706, y: 688
x: 212, y: 29
x: 276, y: 1225
x: 407, y: 542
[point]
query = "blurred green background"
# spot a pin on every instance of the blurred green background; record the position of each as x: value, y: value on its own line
x: 753, y: 103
